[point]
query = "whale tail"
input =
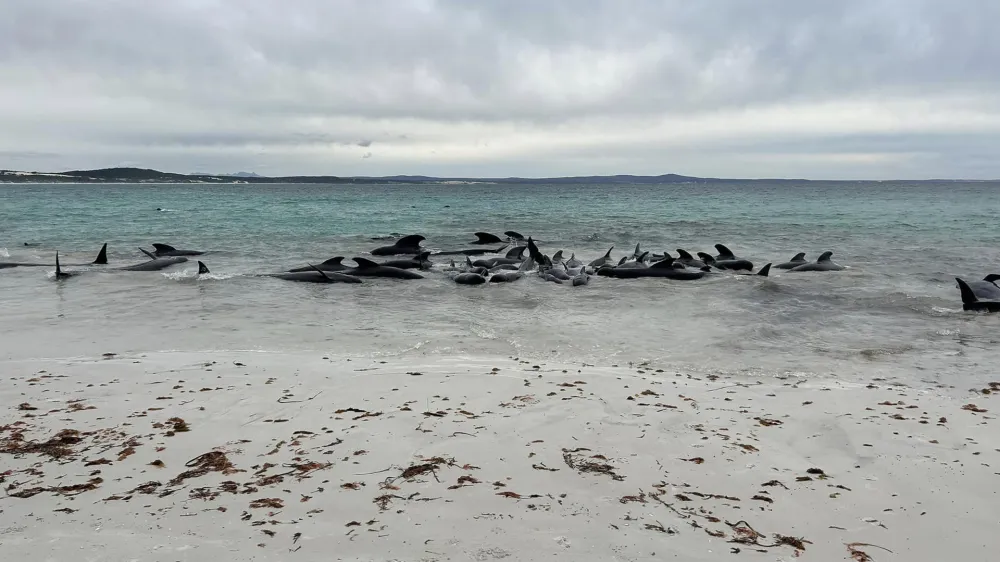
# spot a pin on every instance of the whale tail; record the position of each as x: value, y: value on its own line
x: 59, y: 272
x: 636, y: 253
x: 825, y: 256
x: 764, y: 270
x: 202, y: 268
x: 102, y: 256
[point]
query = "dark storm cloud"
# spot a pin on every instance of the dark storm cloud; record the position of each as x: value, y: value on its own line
x: 491, y: 85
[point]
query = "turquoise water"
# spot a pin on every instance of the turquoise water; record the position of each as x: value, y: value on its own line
x: 896, y: 311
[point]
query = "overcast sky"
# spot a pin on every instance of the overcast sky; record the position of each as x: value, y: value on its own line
x: 740, y: 88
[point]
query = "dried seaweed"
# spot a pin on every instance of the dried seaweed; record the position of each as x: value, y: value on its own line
x: 273, y: 503
x: 147, y: 488
x: 583, y: 464
x: 71, y: 490
x: 57, y: 447
x: 213, y: 461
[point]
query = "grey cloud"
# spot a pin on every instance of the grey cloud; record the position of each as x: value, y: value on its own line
x: 235, y: 75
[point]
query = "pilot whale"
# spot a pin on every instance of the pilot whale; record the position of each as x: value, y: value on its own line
x: 405, y: 245
x: 971, y: 302
x: 823, y: 263
x: 797, y: 260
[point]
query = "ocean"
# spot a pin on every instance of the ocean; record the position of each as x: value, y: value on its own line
x: 895, y: 313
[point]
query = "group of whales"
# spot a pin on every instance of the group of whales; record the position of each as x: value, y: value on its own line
x: 513, y: 258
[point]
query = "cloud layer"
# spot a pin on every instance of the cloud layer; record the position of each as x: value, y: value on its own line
x: 850, y: 89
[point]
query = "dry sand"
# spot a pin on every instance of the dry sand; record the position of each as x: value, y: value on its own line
x: 258, y: 456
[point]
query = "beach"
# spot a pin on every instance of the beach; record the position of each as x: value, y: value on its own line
x: 305, y: 455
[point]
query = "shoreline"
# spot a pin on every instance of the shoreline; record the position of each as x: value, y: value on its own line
x: 283, y: 456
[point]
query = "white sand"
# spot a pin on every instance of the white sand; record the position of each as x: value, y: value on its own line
x: 924, y: 491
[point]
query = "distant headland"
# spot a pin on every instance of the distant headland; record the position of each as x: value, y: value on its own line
x: 143, y: 175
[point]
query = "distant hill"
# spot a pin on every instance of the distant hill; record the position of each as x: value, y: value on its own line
x: 144, y: 175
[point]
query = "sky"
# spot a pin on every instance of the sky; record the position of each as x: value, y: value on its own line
x: 819, y: 89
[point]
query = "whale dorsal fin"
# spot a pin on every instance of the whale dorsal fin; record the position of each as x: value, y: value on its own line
x: 333, y: 261
x: 58, y: 269
x: 163, y: 248
x: 516, y: 253
x: 318, y: 270
x: 148, y: 254
x: 363, y: 263
x: 968, y: 297
x: 825, y: 256
x: 202, y: 268
x: 706, y: 258
x: 992, y: 278
x: 705, y: 268
x: 636, y: 252
x: 608, y: 254
x: 764, y: 270
x: 558, y: 256
x: 642, y: 258
x: 664, y: 264
x: 514, y: 235
x: 409, y: 241
x: 623, y: 260
x: 102, y: 256
x: 684, y: 254
x: 725, y: 252
x: 423, y: 256
x: 801, y: 256
x: 487, y: 238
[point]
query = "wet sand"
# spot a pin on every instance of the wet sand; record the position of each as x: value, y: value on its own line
x: 268, y: 456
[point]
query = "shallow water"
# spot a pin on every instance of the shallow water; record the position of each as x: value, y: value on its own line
x: 896, y: 312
